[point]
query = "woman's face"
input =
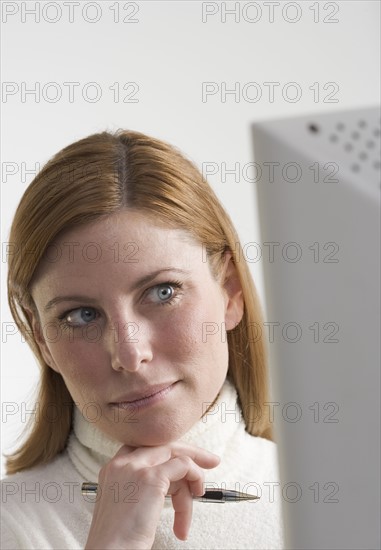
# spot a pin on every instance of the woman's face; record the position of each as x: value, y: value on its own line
x: 133, y: 320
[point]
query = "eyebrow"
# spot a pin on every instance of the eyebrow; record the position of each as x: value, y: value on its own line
x: 139, y: 283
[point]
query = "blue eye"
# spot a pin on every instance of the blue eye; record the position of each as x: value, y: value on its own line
x: 80, y: 316
x: 165, y: 292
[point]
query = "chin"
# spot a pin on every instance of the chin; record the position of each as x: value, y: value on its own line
x: 158, y: 433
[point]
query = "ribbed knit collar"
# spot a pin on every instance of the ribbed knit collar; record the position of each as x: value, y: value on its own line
x: 89, y: 448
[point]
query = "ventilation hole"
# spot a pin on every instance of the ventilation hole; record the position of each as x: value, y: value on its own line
x: 377, y: 165
x: 333, y: 137
x: 363, y: 155
x: 313, y: 128
x: 355, y: 167
x: 376, y: 132
x: 370, y: 144
x: 348, y: 146
x: 355, y: 135
x: 361, y: 124
x: 340, y: 126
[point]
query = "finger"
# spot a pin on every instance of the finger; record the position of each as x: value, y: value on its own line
x: 182, y: 491
x: 179, y: 470
x: 183, y: 505
x: 151, y: 456
x: 124, y: 451
x: 146, y: 456
x: 120, y: 459
x: 200, y: 456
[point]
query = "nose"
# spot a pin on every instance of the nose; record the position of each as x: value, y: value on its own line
x: 130, y: 345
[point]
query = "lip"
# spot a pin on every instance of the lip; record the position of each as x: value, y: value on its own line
x: 144, y: 396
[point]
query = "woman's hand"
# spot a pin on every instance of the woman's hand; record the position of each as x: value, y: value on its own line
x: 132, y: 488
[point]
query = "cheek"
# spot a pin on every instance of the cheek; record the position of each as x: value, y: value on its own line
x: 194, y: 327
x: 78, y: 361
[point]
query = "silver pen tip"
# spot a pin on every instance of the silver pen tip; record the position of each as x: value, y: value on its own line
x: 238, y: 496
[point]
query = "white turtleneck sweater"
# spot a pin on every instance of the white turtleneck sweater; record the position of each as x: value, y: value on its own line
x: 43, y: 508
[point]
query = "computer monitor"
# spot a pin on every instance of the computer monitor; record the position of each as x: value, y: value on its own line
x: 318, y: 187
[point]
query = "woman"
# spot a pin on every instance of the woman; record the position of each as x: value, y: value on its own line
x: 130, y: 285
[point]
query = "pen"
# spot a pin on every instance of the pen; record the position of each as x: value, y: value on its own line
x: 210, y: 495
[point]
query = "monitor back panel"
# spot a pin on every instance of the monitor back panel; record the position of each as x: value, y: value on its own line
x: 318, y: 189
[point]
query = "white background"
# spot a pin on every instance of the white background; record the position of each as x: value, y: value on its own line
x: 169, y: 53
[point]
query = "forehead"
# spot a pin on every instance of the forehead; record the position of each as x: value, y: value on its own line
x: 122, y: 227
x: 127, y: 237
